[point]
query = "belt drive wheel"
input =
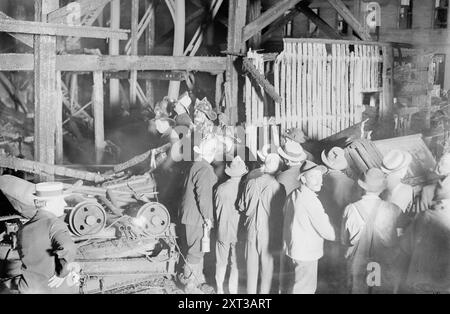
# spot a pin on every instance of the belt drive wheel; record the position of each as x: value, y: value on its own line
x: 87, y: 218
x: 156, y: 216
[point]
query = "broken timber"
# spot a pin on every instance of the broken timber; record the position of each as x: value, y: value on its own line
x: 40, y: 168
x: 261, y: 80
x: 141, y: 158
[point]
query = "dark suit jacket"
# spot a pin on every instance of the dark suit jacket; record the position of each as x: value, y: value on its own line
x: 197, y: 203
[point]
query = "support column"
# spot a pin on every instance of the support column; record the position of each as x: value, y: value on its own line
x: 114, y: 85
x: 134, y: 49
x: 254, y: 11
x: 45, y: 95
x: 59, y: 153
x: 98, y: 109
x: 149, y: 46
x: 237, y: 14
x: 178, y: 42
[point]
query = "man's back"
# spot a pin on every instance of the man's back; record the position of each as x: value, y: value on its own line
x: 289, y: 179
x: 226, y: 211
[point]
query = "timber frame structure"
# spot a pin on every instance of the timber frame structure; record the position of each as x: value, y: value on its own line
x: 52, y: 21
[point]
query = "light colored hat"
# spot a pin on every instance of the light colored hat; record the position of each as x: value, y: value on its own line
x: 185, y: 101
x: 335, y: 159
x: 308, y: 166
x: 207, y: 147
x: 271, y: 163
x: 205, y: 106
x: 373, y: 180
x: 237, y: 168
x: 292, y: 151
x: 443, y: 166
x: 396, y: 160
x: 49, y: 190
x: 265, y: 151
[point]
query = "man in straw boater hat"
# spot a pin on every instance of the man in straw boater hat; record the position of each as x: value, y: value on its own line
x: 338, y: 191
x: 183, y: 113
x: 426, y: 245
x: 293, y: 155
x: 296, y: 135
x: 228, y: 217
x: 369, y: 232
x: 197, y: 210
x: 305, y: 227
x: 262, y: 202
x: 45, y: 246
x: 442, y: 170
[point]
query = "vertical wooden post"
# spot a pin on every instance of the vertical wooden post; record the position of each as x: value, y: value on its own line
x: 254, y: 11
x: 149, y: 46
x: 44, y: 88
x: 219, y: 83
x: 97, y: 108
x: 237, y: 13
x: 134, y: 49
x: 178, y: 42
x: 59, y: 120
x: 114, y: 86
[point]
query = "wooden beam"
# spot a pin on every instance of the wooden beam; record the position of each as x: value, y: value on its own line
x: 237, y: 15
x: 53, y: 29
x: 114, y: 85
x: 268, y: 17
x: 23, y: 38
x: 64, y: 15
x: 189, y: 20
x: 97, y: 108
x: 149, y: 75
x: 254, y: 11
x: 261, y: 80
x: 45, y: 96
x: 178, y: 44
x: 59, y: 153
x: 319, y: 22
x: 150, y: 40
x: 281, y: 22
x: 90, y: 63
x: 134, y: 49
x: 351, y: 20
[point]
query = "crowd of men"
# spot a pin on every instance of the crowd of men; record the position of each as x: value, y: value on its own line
x: 372, y: 235
x: 306, y: 224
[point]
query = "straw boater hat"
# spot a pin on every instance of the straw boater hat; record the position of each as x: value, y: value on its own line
x: 335, y: 159
x: 164, y: 117
x: 296, y: 135
x: 443, y: 166
x: 237, y: 168
x: 205, y: 106
x: 373, y: 180
x: 396, y: 160
x: 184, y: 103
x: 308, y: 166
x: 293, y: 152
x: 50, y: 190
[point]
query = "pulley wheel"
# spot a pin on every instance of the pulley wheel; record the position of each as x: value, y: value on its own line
x: 87, y: 218
x: 156, y: 216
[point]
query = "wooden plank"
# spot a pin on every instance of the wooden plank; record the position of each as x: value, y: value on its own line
x: 178, y: 41
x: 310, y: 92
x: 237, y: 14
x: 114, y: 85
x: 98, y: 110
x: 261, y: 80
x: 298, y: 84
x: 53, y: 29
x: 281, y: 22
x: 254, y: 11
x: 134, y: 50
x: 64, y: 15
x: 304, y: 88
x: 328, y: 92
x: 333, y: 41
x: 150, y: 40
x: 45, y: 95
x: 319, y: 22
x: 269, y: 16
x: 219, y: 89
x: 23, y: 38
x: 59, y: 157
x: 288, y: 63
x: 283, y: 93
x: 353, y: 22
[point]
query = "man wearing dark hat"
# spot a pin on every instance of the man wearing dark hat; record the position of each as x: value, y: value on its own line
x: 45, y: 246
x: 337, y: 192
x: 228, y: 218
x: 306, y: 226
x: 294, y: 156
x: 369, y: 231
x: 427, y: 246
x: 262, y: 202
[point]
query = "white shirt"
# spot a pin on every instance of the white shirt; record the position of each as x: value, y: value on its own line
x: 306, y: 225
